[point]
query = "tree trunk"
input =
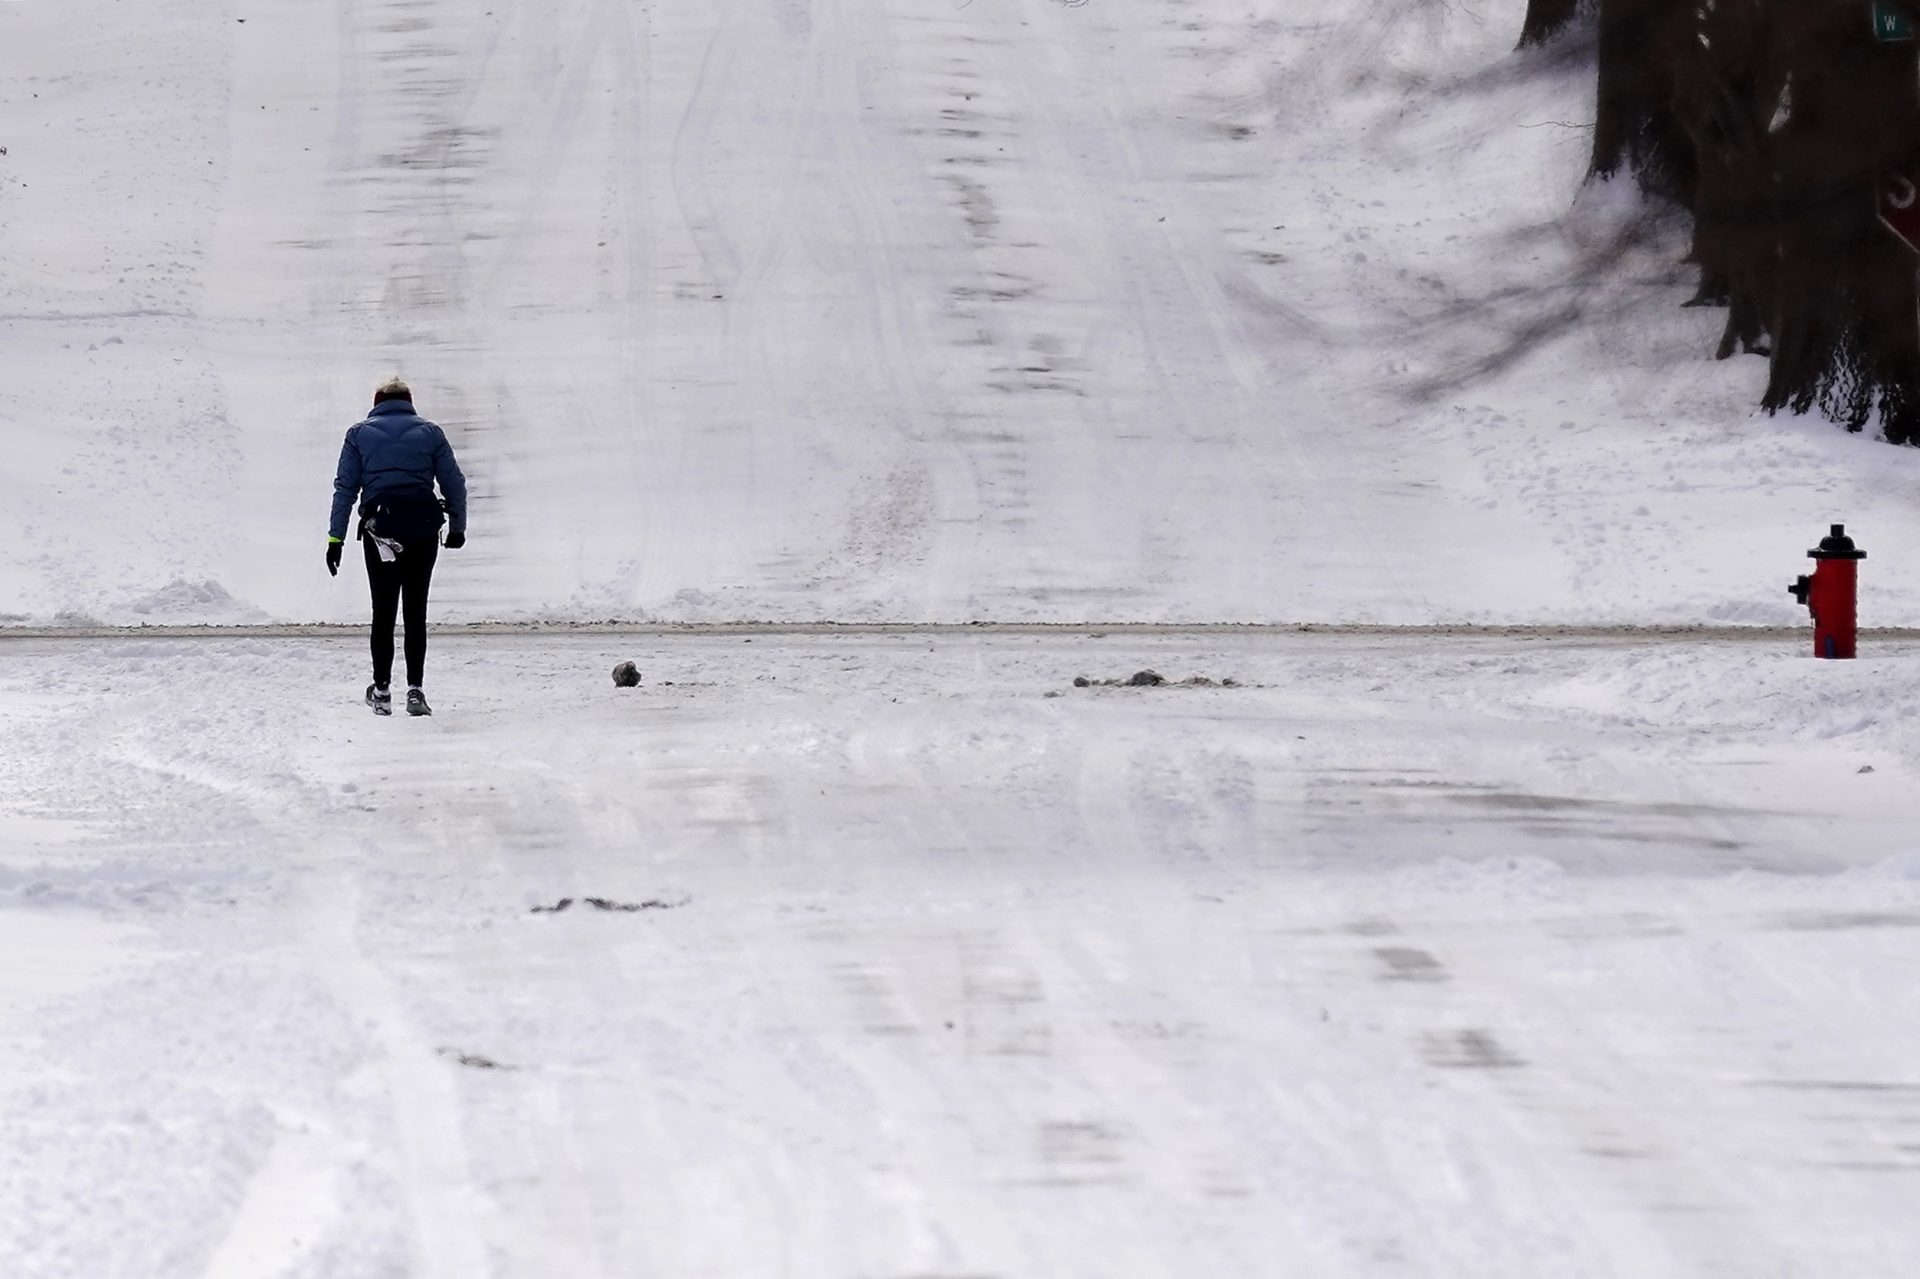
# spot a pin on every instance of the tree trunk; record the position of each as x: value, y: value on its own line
x: 1845, y: 316
x: 1642, y: 44
x: 1724, y: 96
x: 1776, y: 122
x: 1545, y: 20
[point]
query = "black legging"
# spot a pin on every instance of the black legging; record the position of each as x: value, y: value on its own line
x: 408, y: 578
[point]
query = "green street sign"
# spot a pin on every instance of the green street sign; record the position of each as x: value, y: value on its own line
x: 1891, y: 22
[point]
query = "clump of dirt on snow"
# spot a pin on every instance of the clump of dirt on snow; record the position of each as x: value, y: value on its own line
x: 474, y: 1061
x: 607, y: 903
x: 1153, y: 679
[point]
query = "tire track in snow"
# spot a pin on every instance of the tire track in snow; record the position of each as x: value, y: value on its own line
x: 444, y: 1210
x: 290, y: 1204
x: 1121, y: 777
x: 550, y: 1165
x: 690, y: 146
x: 1002, y: 1003
x: 743, y: 70
x: 1299, y: 1170
x: 538, y: 187
x: 634, y: 64
x: 1019, y: 398
x: 1193, y: 277
x: 751, y: 333
x: 936, y: 532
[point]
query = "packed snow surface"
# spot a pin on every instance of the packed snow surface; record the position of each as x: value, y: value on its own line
x: 901, y: 955
x: 908, y: 309
x: 889, y: 956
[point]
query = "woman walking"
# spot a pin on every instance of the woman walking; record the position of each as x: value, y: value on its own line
x: 390, y: 462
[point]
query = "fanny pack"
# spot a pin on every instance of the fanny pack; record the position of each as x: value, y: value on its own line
x: 396, y: 518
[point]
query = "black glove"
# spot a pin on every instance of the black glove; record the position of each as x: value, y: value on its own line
x: 333, y: 558
x: 455, y: 540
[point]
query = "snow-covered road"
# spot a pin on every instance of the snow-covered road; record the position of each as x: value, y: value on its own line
x: 892, y: 953
x: 1395, y: 958
x: 894, y: 310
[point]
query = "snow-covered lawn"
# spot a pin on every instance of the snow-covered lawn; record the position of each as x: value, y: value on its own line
x: 1399, y: 957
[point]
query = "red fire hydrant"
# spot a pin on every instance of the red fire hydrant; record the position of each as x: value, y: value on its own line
x: 1832, y: 593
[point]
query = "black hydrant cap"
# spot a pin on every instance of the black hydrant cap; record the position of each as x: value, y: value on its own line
x: 1837, y: 546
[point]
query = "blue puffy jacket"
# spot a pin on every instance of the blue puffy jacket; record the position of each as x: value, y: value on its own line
x: 396, y: 453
